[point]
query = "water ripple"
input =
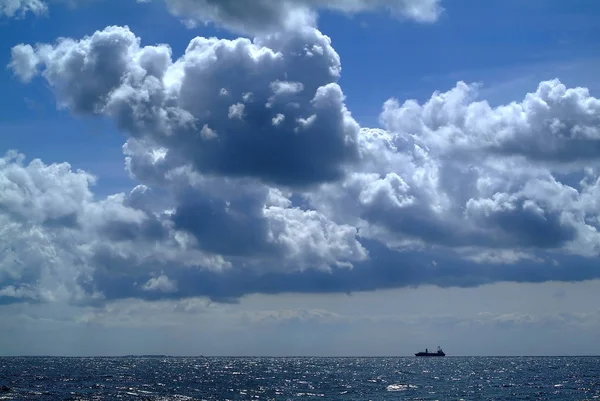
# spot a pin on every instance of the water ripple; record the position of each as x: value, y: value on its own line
x: 183, y: 379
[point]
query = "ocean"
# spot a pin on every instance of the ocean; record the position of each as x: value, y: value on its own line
x: 404, y: 378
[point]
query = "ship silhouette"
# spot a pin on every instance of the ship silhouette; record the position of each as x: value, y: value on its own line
x: 427, y: 353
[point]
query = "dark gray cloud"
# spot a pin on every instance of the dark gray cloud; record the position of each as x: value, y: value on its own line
x: 386, y: 269
x: 235, y: 228
x: 521, y: 222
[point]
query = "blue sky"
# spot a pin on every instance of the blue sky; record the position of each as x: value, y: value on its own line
x: 374, y: 186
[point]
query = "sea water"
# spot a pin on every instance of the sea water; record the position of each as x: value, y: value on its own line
x: 404, y: 378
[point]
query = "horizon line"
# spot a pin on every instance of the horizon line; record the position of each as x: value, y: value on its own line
x: 290, y: 356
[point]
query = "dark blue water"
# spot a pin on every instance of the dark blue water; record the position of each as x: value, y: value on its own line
x: 450, y: 378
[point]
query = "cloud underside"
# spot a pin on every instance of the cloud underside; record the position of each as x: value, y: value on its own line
x: 255, y: 178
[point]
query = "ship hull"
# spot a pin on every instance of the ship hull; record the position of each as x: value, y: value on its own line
x: 429, y: 355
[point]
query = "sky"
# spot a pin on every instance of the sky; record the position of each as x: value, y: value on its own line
x: 299, y: 177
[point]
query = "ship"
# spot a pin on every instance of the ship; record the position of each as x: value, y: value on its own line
x: 439, y: 352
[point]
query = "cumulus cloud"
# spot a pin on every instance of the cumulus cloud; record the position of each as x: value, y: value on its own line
x: 457, y: 173
x: 220, y: 213
x: 18, y: 8
x: 554, y: 124
x: 262, y: 226
x: 223, y: 126
x: 276, y: 15
x: 160, y: 283
x: 255, y: 178
x: 55, y: 234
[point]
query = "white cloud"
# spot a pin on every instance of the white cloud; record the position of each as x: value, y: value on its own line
x: 262, y: 181
x: 278, y: 119
x: 214, y: 223
x: 207, y: 133
x: 236, y: 111
x: 158, y: 101
x: 262, y: 15
x: 56, y: 238
x: 159, y: 105
x: 161, y: 283
x: 24, y: 62
x: 18, y: 8
x: 275, y: 15
x: 554, y: 124
x: 455, y: 172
